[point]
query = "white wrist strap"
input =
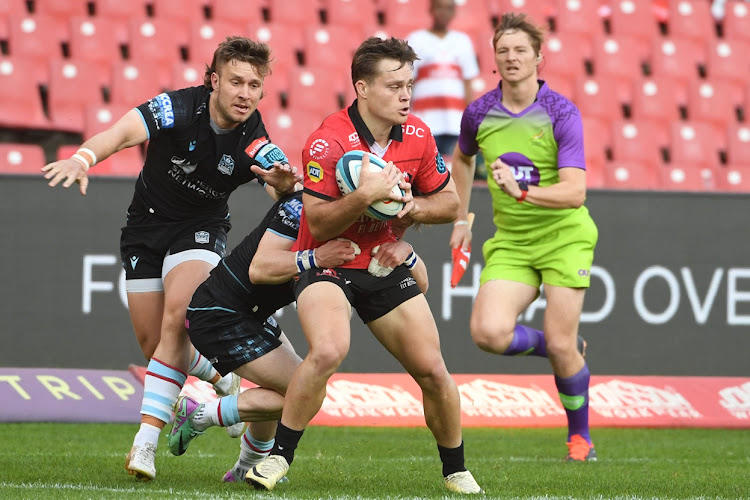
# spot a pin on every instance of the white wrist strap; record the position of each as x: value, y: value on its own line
x: 461, y: 223
x: 83, y: 161
x: 306, y: 260
x: 90, y: 153
x: 411, y: 260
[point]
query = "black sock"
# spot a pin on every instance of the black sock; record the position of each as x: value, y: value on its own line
x: 286, y: 442
x: 453, y: 459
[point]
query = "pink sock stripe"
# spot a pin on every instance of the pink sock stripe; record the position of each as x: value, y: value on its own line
x: 162, y: 377
x: 170, y: 366
x: 254, y: 448
x: 221, y: 422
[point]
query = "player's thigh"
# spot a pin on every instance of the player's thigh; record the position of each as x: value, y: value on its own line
x: 325, y: 316
x: 182, y: 281
x: 410, y: 334
x: 563, y: 312
x: 498, y: 304
x: 273, y: 370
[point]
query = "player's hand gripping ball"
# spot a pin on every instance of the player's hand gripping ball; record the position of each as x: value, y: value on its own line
x: 347, y: 177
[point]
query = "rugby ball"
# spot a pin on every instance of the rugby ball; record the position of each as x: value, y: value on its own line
x: 347, y: 178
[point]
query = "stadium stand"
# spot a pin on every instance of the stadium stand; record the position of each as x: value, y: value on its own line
x: 660, y: 84
x: 21, y: 159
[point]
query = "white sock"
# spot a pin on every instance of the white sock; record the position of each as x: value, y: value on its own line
x: 252, y: 452
x: 222, y: 412
x: 224, y: 383
x: 147, y: 434
x: 201, y: 368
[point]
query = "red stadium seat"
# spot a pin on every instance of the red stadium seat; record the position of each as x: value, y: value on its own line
x: 186, y: 11
x: 21, y: 159
x: 158, y: 40
x: 100, y: 117
x: 286, y: 43
x: 61, y: 9
x: 733, y: 178
x: 738, y: 144
x: 39, y: 36
x: 560, y: 83
x: 315, y: 89
x: 714, y: 100
x: 350, y: 12
x: 639, y: 141
x: 728, y: 60
x: 289, y: 129
x: 331, y: 47
x: 97, y: 38
x: 695, y: 143
x: 580, y: 17
x: 234, y: 12
x: 634, y: 18
x: 540, y: 11
x: 631, y: 175
x: 187, y: 74
x: 688, y: 177
x: 658, y: 99
x: 472, y: 17
x: 691, y: 19
x: 205, y: 37
x: 299, y: 13
x: 565, y: 52
x: 133, y: 83
x: 599, y: 96
x: 20, y: 97
x: 119, y: 10
x: 404, y: 16
x: 125, y: 163
x: 14, y: 8
x: 271, y: 101
x: 597, y: 139
x: 73, y: 85
x: 677, y: 58
x: 737, y: 21
x: 594, y: 176
x: 619, y: 55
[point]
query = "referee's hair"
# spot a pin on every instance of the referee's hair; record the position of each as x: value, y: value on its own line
x: 240, y: 49
x: 512, y: 22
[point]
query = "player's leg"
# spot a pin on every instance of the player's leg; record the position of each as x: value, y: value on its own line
x: 410, y: 334
x: 324, y: 312
x: 146, y: 310
x: 572, y: 376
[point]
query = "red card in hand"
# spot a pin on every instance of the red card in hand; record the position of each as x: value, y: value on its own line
x: 461, y: 259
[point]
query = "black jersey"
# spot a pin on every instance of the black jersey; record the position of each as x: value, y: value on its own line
x: 229, y: 282
x: 191, y: 166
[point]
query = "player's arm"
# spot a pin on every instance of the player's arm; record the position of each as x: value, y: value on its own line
x: 329, y: 218
x: 275, y: 262
x: 128, y: 131
x: 463, y: 175
x: 570, y: 192
x: 440, y: 207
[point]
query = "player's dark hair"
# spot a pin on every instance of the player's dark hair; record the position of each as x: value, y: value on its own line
x: 240, y: 49
x: 511, y: 22
x: 373, y: 50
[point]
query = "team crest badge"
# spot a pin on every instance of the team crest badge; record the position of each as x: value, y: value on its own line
x: 202, y: 237
x: 226, y: 165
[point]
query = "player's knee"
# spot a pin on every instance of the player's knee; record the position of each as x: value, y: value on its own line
x: 491, y: 336
x: 328, y: 358
x: 559, y: 346
x: 432, y: 376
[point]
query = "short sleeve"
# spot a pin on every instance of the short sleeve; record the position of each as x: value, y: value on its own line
x: 568, y: 129
x: 322, y: 151
x: 467, y: 137
x: 167, y: 111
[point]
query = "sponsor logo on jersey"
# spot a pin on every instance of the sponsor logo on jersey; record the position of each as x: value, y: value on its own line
x: 538, y: 136
x: 354, y: 139
x: 134, y: 261
x: 165, y: 110
x: 255, y: 146
x: 440, y: 163
x: 328, y: 272
x: 314, y: 172
x: 186, y: 167
x: 407, y: 282
x: 412, y: 130
x: 202, y: 237
x: 319, y: 149
x: 226, y: 165
x: 191, y: 146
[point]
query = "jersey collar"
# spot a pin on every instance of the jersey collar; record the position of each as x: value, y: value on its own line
x: 396, y: 134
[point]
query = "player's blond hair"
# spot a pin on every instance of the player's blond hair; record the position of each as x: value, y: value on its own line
x: 240, y: 49
x: 512, y: 22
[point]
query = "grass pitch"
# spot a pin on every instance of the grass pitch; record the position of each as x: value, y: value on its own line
x: 76, y: 461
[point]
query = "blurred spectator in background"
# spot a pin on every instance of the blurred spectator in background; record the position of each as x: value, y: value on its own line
x: 447, y: 64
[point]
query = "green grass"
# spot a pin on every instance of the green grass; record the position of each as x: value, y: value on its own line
x: 41, y: 461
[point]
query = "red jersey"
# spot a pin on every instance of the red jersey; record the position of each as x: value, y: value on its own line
x: 412, y: 150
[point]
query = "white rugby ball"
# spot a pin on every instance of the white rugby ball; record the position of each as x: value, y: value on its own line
x: 347, y: 177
